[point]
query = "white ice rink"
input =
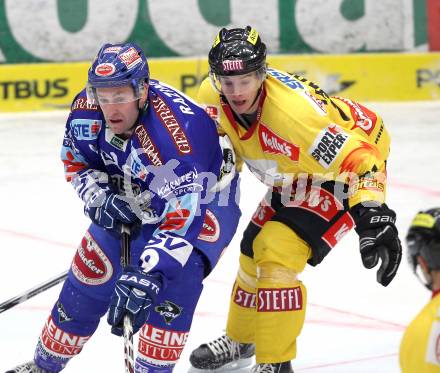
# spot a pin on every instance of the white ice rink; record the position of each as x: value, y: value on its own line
x: 353, y: 324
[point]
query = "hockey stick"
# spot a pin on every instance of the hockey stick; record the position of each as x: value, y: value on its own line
x: 32, y: 292
x: 128, y: 325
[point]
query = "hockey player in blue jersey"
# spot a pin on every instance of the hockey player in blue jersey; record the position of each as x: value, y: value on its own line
x: 140, y: 153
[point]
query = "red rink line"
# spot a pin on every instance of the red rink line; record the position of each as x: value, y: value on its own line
x: 354, y: 325
x: 389, y: 325
x: 29, y: 236
x: 354, y: 361
x: 416, y: 188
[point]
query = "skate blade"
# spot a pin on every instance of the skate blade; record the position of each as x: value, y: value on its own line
x: 237, y: 366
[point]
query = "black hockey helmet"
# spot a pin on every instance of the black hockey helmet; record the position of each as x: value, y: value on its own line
x: 237, y: 51
x: 423, y: 239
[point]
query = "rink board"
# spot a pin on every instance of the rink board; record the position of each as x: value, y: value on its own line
x: 363, y: 77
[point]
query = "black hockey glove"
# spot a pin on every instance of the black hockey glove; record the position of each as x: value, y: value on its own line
x: 227, y: 169
x: 378, y: 238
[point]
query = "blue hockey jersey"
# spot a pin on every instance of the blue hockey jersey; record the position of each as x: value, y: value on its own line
x: 168, y: 165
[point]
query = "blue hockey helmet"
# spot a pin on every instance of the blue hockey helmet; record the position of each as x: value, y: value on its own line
x: 118, y: 65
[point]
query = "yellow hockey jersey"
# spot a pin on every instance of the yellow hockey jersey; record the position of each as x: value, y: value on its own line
x: 300, y: 130
x: 420, y: 346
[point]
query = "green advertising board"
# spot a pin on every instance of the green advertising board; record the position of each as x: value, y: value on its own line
x: 66, y: 30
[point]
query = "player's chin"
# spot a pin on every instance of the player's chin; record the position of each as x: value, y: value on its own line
x: 241, y: 108
x: 117, y: 129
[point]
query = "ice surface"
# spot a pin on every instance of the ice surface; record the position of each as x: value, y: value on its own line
x: 353, y: 324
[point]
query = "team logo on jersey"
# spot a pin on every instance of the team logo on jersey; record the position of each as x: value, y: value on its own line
x: 85, y: 129
x: 273, y: 144
x: 243, y: 298
x: 115, y: 140
x: 175, y: 220
x: 60, y: 343
x: 73, y: 163
x: 213, y: 111
x: 150, y: 149
x: 105, y: 69
x: 62, y: 314
x: 130, y: 58
x: 137, y: 168
x: 177, y: 97
x: 167, y: 184
x: 317, y: 104
x: 368, y: 182
x: 169, y: 311
x: 211, y: 228
x: 90, y: 264
x: 379, y: 134
x: 263, y: 214
x: 161, y: 346
x: 279, y: 299
x: 358, y: 156
x: 82, y: 103
x: 186, y: 183
x: 328, y: 145
x: 338, y: 230
x: 363, y: 118
x: 170, y: 122
x: 112, y: 50
x: 320, y: 202
x: 285, y: 79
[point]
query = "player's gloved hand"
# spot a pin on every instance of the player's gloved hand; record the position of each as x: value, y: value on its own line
x: 134, y: 293
x: 378, y: 238
x: 110, y: 210
x: 227, y: 169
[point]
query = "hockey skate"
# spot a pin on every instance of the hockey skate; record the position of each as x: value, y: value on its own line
x: 273, y: 368
x: 222, y: 354
x: 29, y: 367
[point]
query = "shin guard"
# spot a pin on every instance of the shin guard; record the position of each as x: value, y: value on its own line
x: 281, y: 298
x: 241, y: 316
x: 73, y: 320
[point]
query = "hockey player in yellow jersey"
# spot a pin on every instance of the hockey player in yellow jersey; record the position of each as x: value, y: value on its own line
x: 324, y: 162
x: 419, y: 349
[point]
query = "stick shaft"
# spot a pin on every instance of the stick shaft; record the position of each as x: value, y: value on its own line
x: 128, y: 325
x: 33, y: 292
x: 128, y: 345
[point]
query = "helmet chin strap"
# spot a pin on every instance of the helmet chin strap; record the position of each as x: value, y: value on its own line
x: 257, y: 96
x: 425, y: 278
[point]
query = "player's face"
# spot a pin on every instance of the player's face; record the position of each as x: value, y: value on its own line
x: 120, y: 107
x: 241, y: 91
